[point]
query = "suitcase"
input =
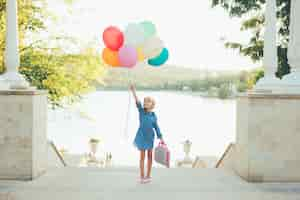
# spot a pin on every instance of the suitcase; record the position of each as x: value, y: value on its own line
x: 162, y: 154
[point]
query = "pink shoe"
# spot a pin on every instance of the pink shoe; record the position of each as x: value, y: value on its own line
x: 147, y: 180
x: 142, y: 181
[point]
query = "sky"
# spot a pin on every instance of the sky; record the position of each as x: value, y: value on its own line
x: 190, y: 29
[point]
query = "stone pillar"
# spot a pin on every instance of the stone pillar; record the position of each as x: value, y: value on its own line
x: 270, y: 60
x: 23, y: 134
x: 268, y: 139
x: 291, y: 82
x: 12, y: 58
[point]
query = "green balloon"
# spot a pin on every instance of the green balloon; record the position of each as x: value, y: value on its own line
x: 149, y: 28
x: 160, y: 59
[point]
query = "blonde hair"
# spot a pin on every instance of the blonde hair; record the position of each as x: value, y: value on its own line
x: 152, y: 102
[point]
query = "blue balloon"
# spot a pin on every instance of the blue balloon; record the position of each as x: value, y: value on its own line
x: 160, y: 59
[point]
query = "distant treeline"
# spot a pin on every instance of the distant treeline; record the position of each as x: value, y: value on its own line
x: 211, y: 84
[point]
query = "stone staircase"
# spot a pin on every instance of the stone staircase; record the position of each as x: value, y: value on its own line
x: 122, y: 183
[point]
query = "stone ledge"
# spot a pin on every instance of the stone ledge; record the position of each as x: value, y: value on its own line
x: 268, y: 95
x: 6, y: 195
x: 28, y: 92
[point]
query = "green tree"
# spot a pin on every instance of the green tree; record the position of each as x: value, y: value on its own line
x: 66, y: 76
x: 253, y: 77
x: 224, y: 91
x: 30, y: 18
x: 253, y: 12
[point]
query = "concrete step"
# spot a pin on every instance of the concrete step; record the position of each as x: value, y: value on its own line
x: 122, y: 183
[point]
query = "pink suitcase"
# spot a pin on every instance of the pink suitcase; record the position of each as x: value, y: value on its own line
x: 162, y: 154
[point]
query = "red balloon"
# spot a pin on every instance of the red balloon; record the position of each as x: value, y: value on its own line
x: 113, y: 38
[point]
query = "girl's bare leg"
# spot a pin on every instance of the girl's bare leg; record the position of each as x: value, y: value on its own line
x: 142, y: 161
x: 149, y: 163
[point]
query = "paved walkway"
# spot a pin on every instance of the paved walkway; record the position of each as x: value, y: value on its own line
x: 170, y: 184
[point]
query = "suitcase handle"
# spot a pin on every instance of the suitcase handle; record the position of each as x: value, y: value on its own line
x: 161, y: 143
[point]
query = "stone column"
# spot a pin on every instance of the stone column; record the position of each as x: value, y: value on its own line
x: 270, y: 60
x: 23, y: 114
x: 23, y: 134
x: 268, y: 139
x: 291, y: 82
x: 12, y: 58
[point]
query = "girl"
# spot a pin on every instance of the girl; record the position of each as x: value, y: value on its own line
x: 144, y: 138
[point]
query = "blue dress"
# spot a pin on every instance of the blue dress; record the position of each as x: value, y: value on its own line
x: 144, y: 138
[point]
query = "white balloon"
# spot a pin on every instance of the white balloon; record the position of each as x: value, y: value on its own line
x: 152, y: 47
x: 134, y: 35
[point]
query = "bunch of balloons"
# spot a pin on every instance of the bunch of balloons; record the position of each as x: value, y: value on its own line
x: 139, y: 42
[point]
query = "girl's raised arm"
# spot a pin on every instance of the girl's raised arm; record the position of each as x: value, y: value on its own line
x: 132, y: 88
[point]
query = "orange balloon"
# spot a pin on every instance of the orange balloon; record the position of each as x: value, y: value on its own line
x: 110, y: 57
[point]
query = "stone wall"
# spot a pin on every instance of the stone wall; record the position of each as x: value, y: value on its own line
x: 268, y: 138
x: 23, y: 139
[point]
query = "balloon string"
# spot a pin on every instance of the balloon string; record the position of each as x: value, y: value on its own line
x: 128, y: 108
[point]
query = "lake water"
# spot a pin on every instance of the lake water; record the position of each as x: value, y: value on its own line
x: 208, y: 123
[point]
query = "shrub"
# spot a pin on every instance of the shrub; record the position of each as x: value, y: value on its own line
x: 224, y: 91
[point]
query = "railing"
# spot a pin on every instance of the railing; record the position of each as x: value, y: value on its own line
x: 57, y: 153
x: 230, y: 146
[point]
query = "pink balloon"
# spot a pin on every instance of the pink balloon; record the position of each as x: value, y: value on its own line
x: 128, y: 56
